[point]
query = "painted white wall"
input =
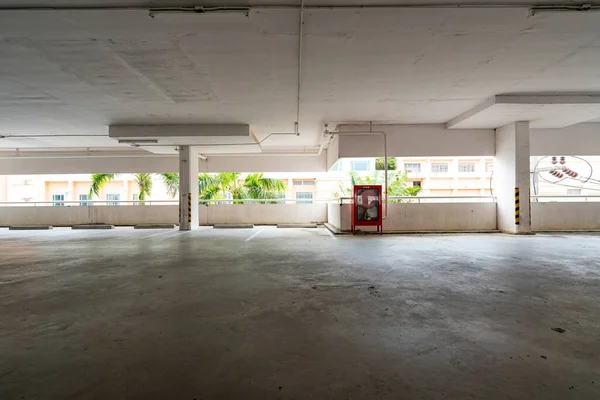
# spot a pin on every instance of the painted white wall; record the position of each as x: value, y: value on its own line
x: 565, y: 216
x: 66, y: 216
x: 334, y: 214
x: 576, y: 140
x: 263, y: 214
x: 133, y: 215
x: 89, y: 165
x: 441, y: 217
x: 333, y: 151
x: 402, y: 217
x: 424, y: 217
x: 268, y: 214
x: 159, y: 164
x: 429, y: 140
x: 511, y: 171
x: 265, y: 163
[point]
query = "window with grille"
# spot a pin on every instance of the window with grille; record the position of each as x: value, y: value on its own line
x: 416, y: 183
x: 112, y: 199
x: 573, y: 192
x: 414, y: 168
x: 84, y: 200
x: 304, y: 197
x: 359, y: 165
x: 439, y: 167
x: 466, y: 167
x: 59, y: 198
x: 306, y: 182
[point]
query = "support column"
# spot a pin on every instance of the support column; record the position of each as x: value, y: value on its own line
x: 511, y: 178
x: 188, y: 188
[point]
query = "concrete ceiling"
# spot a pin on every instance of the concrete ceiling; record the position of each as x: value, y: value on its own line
x: 74, y: 72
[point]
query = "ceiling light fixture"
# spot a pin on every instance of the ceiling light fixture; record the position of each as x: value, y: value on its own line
x: 138, y: 141
x: 200, y: 10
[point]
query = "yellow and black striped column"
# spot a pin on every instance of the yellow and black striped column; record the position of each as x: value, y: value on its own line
x: 189, y: 216
x: 517, y: 212
x: 529, y: 207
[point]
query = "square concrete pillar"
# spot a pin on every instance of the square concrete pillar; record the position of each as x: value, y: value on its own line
x: 511, y: 178
x: 188, y: 188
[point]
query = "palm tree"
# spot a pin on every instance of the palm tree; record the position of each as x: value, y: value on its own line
x: 259, y: 187
x: 171, y: 182
x: 255, y: 186
x: 219, y: 186
x: 144, y: 182
x: 98, y: 181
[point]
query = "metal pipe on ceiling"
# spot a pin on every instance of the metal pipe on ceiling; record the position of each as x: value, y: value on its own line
x: 277, y: 6
x: 583, y: 8
x: 300, y: 37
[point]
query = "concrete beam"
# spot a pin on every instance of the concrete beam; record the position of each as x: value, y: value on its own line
x: 542, y: 110
x: 13, y: 165
x: 575, y: 140
x: 429, y: 140
x: 265, y: 163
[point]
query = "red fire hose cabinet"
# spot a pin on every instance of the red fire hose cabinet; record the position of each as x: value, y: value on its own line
x: 366, y: 207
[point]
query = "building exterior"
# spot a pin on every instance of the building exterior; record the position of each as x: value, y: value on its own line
x: 584, y: 184
x: 56, y: 189
x: 444, y: 177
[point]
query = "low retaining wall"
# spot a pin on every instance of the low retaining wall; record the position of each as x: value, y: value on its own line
x: 67, y: 216
x: 262, y: 214
x: 401, y: 217
x: 407, y: 217
x: 565, y: 216
x: 269, y: 214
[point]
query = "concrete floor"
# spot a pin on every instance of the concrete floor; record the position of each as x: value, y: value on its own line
x: 296, y: 314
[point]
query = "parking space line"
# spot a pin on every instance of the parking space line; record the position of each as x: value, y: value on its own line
x: 176, y: 233
x: 253, y: 236
x: 157, y: 234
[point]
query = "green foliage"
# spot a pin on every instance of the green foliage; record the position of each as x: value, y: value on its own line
x: 259, y: 187
x: 380, y: 164
x: 171, y: 182
x: 98, y: 181
x: 413, y: 190
x: 397, y: 185
x: 254, y: 186
x: 144, y: 182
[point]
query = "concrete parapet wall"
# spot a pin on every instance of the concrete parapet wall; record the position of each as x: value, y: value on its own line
x: 401, y: 217
x: 162, y: 214
x: 262, y: 214
x: 565, y: 216
x: 407, y: 217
